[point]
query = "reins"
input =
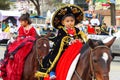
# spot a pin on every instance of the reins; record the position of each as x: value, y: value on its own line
x: 91, y: 62
x: 39, y: 58
x: 78, y: 76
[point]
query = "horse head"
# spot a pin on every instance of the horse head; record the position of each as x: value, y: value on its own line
x: 100, y: 59
x: 34, y: 59
x: 42, y: 45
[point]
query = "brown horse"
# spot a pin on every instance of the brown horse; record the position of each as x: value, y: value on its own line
x: 33, y: 60
x: 94, y: 63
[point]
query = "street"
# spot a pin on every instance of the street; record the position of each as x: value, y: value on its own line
x: 114, y: 72
x: 115, y: 69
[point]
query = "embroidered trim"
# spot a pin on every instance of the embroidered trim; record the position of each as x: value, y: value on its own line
x: 59, y: 53
x: 84, y: 36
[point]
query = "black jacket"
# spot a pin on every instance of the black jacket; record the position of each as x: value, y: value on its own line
x: 57, y: 41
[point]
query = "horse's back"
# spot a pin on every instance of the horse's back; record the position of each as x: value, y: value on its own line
x: 40, y: 49
x: 28, y: 72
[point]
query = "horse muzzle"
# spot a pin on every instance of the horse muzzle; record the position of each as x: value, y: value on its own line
x: 104, y: 76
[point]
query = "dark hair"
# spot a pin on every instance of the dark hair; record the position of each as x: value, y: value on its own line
x: 104, y: 24
x: 25, y: 17
x: 68, y: 15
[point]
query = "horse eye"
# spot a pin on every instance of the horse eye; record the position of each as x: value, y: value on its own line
x: 39, y: 46
x: 95, y: 61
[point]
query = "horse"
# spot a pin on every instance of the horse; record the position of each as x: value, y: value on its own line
x: 94, y: 63
x: 34, y: 59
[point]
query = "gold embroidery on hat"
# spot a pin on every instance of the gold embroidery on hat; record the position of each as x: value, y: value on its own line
x: 75, y: 10
x: 63, y: 12
x: 56, y: 21
x: 79, y: 18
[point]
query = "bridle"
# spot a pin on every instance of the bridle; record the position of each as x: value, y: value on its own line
x: 39, y: 58
x: 93, y: 76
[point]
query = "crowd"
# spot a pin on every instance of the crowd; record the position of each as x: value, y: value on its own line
x: 9, y: 27
x: 92, y: 25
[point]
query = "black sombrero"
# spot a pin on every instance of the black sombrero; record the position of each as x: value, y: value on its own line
x: 67, y: 9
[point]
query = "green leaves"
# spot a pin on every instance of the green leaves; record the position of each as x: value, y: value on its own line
x: 4, y: 4
x: 103, y: 1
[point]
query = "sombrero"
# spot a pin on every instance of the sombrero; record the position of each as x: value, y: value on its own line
x: 67, y: 9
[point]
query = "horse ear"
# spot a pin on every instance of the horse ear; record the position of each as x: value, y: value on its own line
x: 37, y: 36
x: 91, y: 44
x: 48, y: 34
x: 110, y: 42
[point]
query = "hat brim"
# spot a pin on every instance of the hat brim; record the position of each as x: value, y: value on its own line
x: 67, y: 9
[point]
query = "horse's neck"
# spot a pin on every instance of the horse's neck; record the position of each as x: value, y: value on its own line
x: 85, y: 64
x: 33, y: 51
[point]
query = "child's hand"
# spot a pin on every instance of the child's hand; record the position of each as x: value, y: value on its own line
x: 74, y: 41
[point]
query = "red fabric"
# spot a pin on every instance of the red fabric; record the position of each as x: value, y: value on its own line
x: 19, y: 40
x: 14, y: 67
x: 71, y: 31
x: 66, y: 60
x: 23, y: 32
x: 47, y: 78
x: 90, y: 30
x: 105, y: 4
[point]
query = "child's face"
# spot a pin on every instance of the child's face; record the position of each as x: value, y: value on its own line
x: 24, y: 23
x: 69, y: 22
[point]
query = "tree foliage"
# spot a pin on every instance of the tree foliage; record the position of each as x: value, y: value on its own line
x: 4, y: 4
x: 56, y: 3
x: 38, y: 3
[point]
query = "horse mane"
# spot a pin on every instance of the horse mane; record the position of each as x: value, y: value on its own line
x: 84, y: 48
x: 99, y: 42
x: 86, y: 45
